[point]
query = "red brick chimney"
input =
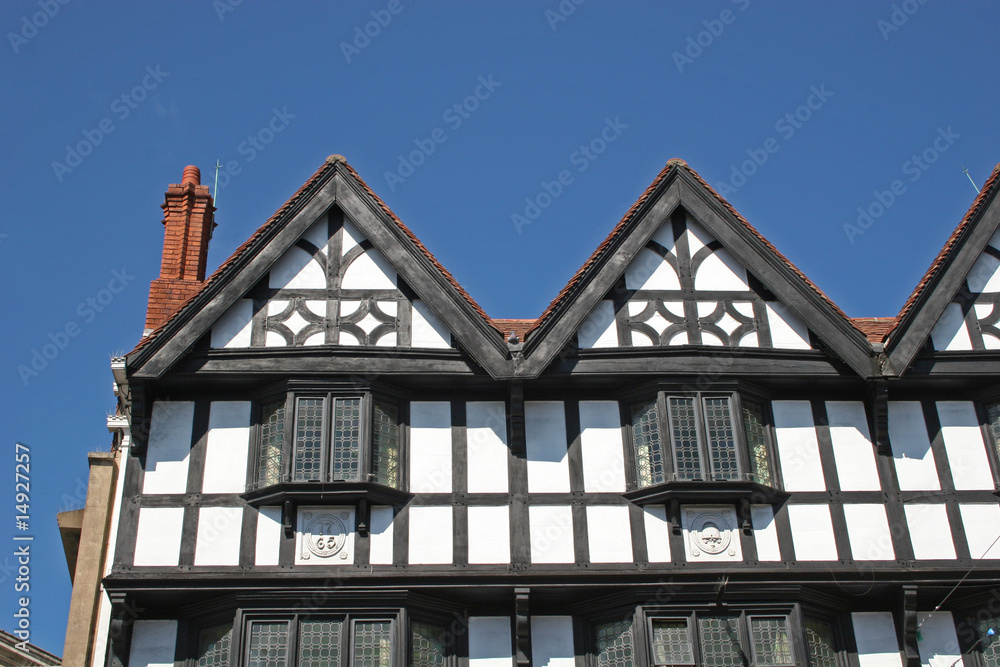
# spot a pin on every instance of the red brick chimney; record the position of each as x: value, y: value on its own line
x: 188, y: 222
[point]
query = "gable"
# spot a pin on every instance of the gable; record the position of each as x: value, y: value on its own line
x: 970, y: 321
x: 685, y: 288
x: 331, y: 287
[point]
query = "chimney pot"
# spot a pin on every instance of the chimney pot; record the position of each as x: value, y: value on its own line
x: 192, y: 175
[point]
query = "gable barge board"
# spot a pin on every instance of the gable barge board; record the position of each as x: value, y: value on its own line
x: 779, y: 278
x: 914, y: 329
x: 480, y: 340
x: 552, y: 335
x: 694, y: 361
x: 213, y: 302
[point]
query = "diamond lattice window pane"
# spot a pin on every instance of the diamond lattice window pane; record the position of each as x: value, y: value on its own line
x: 771, y: 643
x: 428, y: 645
x: 385, y: 444
x: 646, y: 445
x: 721, y: 438
x: 345, y: 451
x: 756, y: 433
x: 372, y: 644
x: 308, y: 439
x: 684, y: 436
x: 819, y: 639
x: 272, y: 435
x: 720, y: 641
x: 672, y: 643
x: 990, y: 644
x: 214, y: 645
x: 268, y: 646
x: 320, y: 643
x: 614, y: 644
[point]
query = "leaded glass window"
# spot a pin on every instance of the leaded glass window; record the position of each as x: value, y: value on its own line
x: 772, y: 646
x: 345, y: 436
x: 428, y: 649
x: 214, y: 645
x: 756, y: 434
x: 646, y: 445
x: 272, y: 438
x: 268, y: 645
x: 672, y: 642
x: 990, y: 644
x: 721, y: 437
x: 614, y: 644
x: 385, y: 443
x: 684, y: 436
x: 819, y: 640
x: 308, y: 439
x: 720, y: 641
x: 320, y: 643
x: 993, y: 415
x: 372, y: 644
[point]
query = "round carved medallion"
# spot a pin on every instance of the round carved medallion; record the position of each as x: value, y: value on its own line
x: 325, y: 535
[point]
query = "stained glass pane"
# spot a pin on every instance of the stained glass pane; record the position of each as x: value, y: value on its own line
x: 308, y: 439
x: 268, y: 645
x: 721, y: 437
x: 672, y: 643
x: 214, y: 645
x: 993, y: 414
x: 614, y: 644
x: 428, y: 645
x: 756, y: 432
x: 646, y: 445
x: 372, y: 644
x: 272, y: 433
x: 720, y: 641
x: 385, y: 444
x: 771, y: 644
x: 819, y: 638
x: 684, y: 436
x: 990, y: 645
x: 319, y: 643
x: 345, y: 435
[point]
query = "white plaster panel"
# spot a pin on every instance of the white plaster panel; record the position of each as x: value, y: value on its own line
x: 318, y: 527
x: 601, y: 447
x: 490, y: 642
x: 427, y: 329
x: 949, y: 333
x: 721, y: 271
x: 812, y: 532
x: 930, y: 531
x: 649, y: 271
x: 350, y: 236
x: 153, y: 644
x: 852, y: 447
x: 964, y: 444
x: 657, y: 533
x: 431, y: 535
x: 765, y: 533
x: 552, y: 641
x: 486, y: 436
x: 233, y: 328
x: 319, y: 234
x: 296, y: 270
x: 868, y: 532
x: 380, y: 536
x: 169, y: 448
x: 547, y: 452
x: 700, y: 524
x: 599, y: 329
x: 371, y: 270
x: 268, y: 536
x: 664, y: 235
x: 274, y: 339
x: 430, y: 447
x: 227, y: 447
x: 219, y: 530
x: 875, y: 635
x: 609, y: 534
x: 798, y: 447
x: 551, y: 533
x: 788, y: 332
x: 911, y: 448
x: 982, y: 525
x: 937, y: 641
x: 158, y: 536
x: 489, y: 534
x: 985, y: 275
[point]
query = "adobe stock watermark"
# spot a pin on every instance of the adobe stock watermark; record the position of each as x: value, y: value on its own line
x: 122, y: 107
x: 255, y: 144
x: 714, y: 28
x: 581, y: 158
x: 786, y: 126
x: 223, y: 7
x: 30, y: 25
x: 362, y: 38
x: 562, y: 12
x: 87, y: 311
x: 454, y: 116
x: 915, y: 167
x: 900, y: 14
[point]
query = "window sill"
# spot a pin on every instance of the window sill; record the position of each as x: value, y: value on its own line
x: 323, y: 493
x: 707, y: 492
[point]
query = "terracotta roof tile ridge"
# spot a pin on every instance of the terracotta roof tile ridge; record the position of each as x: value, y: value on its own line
x: 987, y: 190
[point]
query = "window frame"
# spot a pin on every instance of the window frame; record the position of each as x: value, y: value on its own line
x: 992, y: 443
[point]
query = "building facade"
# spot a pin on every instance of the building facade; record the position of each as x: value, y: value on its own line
x: 330, y: 455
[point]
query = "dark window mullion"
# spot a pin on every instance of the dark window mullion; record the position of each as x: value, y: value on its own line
x: 739, y: 433
x: 707, y: 463
x: 288, y: 440
x: 329, y: 412
x: 366, y: 469
x: 666, y: 437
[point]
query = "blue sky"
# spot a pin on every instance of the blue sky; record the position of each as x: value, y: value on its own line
x: 830, y: 102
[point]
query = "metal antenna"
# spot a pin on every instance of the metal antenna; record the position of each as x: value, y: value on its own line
x: 215, y: 191
x: 966, y: 172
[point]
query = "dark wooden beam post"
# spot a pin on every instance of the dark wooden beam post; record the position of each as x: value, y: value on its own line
x: 522, y: 627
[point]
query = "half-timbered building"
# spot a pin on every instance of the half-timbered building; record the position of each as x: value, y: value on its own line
x: 331, y: 456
